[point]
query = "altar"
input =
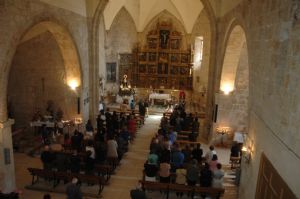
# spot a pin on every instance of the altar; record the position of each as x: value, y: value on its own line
x: 159, y: 96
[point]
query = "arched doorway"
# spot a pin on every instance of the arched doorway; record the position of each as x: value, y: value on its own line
x: 232, y: 98
x: 44, y: 69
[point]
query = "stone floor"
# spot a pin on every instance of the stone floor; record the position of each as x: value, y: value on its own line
x: 126, y: 176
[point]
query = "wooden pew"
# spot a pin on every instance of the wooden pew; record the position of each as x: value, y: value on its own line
x: 216, y: 192
x: 104, y: 170
x: 184, y: 142
x: 66, y: 177
x: 235, y: 162
x: 41, y: 173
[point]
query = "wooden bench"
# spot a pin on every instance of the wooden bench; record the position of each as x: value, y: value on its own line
x: 235, y: 162
x: 182, y: 137
x: 112, y: 161
x: 184, y: 142
x: 66, y: 177
x: 166, y: 187
x: 41, y: 173
x: 104, y: 170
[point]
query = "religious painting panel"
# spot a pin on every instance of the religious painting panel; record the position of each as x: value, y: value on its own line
x: 182, y: 83
x: 142, y: 68
x: 152, y: 57
x: 162, y: 68
x: 142, y: 57
x: 163, y: 57
x: 184, y: 58
x: 162, y: 82
x: 111, y: 71
x: 152, y: 43
x: 152, y: 69
x: 125, y: 58
x: 152, y: 82
x: 173, y: 83
x: 174, y: 70
x: 175, y: 44
x: 175, y: 58
x: 184, y: 70
x: 164, y: 38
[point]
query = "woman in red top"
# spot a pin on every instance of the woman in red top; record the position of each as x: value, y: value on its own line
x: 132, y: 126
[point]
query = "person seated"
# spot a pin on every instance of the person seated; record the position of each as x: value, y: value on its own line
x: 164, y: 171
x: 235, y: 150
x: 195, y: 125
x: 187, y: 152
x: 150, y: 170
x: 90, y: 147
x: 73, y: 190
x: 197, y: 153
x: 112, y: 148
x: 61, y: 162
x: 177, y: 158
x: 76, y: 140
x: 125, y: 134
x: 89, y: 129
x: 132, y: 126
x: 172, y: 136
x: 101, y: 151
x: 75, y: 162
x: 47, y: 158
x: 192, y: 173
x: 213, y: 163
x: 210, y: 153
x: 155, y: 147
x: 205, y: 176
x: 153, y: 157
x: 89, y: 163
x: 138, y: 193
x: 218, y: 176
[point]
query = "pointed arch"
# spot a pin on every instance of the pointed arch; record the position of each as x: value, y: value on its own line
x: 235, y: 41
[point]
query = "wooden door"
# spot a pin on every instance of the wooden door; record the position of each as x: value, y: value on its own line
x: 270, y: 185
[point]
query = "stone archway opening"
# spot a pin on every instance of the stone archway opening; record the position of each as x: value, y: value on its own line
x: 44, y: 74
x: 232, y: 100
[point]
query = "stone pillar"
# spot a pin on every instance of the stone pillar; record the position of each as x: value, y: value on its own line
x: 7, y: 166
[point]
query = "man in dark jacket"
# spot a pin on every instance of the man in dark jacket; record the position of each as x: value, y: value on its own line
x: 73, y: 190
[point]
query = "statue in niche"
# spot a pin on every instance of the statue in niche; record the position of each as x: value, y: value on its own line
x: 164, y: 37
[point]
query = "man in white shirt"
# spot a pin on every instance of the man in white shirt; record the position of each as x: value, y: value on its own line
x: 210, y: 153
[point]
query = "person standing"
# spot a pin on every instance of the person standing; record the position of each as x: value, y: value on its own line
x: 73, y: 190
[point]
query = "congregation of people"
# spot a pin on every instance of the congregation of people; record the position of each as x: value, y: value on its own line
x: 170, y: 162
x: 81, y: 151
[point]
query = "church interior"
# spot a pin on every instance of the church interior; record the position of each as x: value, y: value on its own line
x: 219, y: 73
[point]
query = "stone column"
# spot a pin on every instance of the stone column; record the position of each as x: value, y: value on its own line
x: 7, y: 166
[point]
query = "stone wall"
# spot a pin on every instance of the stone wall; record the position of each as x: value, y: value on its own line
x: 18, y: 16
x: 233, y: 108
x: 202, y: 28
x: 272, y: 30
x: 38, y: 75
x: 121, y: 38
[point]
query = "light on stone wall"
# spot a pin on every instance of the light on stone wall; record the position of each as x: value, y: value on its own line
x: 227, y: 88
x: 73, y: 84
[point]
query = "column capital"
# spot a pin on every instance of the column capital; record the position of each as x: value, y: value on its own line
x: 7, y: 123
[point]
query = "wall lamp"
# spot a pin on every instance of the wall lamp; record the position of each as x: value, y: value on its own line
x: 247, y: 153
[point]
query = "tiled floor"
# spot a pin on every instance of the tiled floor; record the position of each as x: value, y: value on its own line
x: 126, y: 176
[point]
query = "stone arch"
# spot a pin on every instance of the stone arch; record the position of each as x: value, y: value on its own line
x: 235, y: 39
x: 165, y: 14
x: 56, y: 54
x: 64, y: 41
x: 123, y: 9
x: 67, y: 48
x: 233, y: 97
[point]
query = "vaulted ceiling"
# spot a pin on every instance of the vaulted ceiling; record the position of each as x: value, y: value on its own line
x: 142, y: 11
